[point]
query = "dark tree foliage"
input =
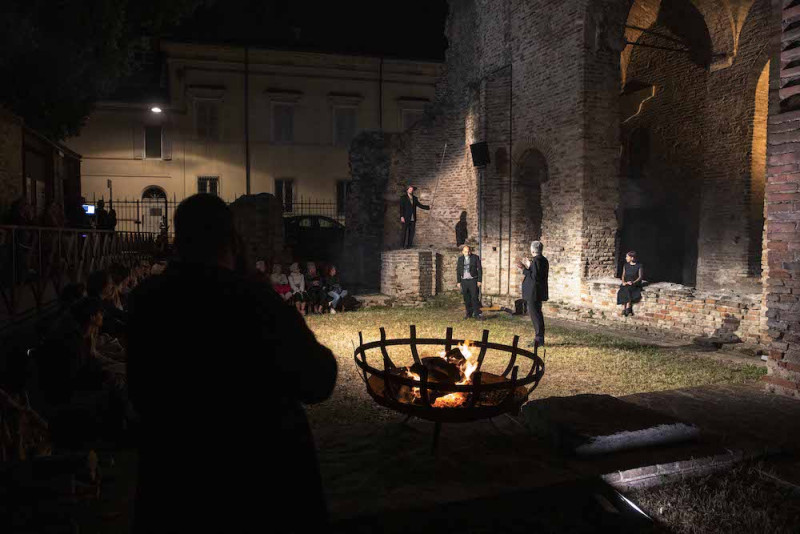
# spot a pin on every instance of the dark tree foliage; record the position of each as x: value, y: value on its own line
x: 58, y: 57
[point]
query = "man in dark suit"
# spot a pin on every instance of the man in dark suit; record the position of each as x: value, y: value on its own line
x: 218, y: 370
x: 534, y: 288
x: 470, y: 276
x: 408, y: 215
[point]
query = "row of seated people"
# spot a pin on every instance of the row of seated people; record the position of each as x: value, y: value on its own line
x: 81, y: 362
x: 310, y: 292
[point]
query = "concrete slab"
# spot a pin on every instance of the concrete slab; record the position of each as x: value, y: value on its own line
x: 600, y: 424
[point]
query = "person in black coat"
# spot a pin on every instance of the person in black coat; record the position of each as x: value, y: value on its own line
x: 408, y: 215
x: 469, y: 275
x: 218, y: 370
x: 534, y: 288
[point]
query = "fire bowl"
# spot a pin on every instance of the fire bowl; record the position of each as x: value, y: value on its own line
x: 448, y: 387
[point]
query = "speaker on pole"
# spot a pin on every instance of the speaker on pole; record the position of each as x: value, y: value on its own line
x: 480, y: 154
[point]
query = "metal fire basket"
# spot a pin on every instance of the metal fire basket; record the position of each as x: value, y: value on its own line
x: 489, y: 394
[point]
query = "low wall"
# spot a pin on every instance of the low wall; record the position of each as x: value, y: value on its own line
x: 681, y: 310
x: 408, y: 276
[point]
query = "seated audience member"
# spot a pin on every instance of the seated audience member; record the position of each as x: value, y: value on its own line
x: 99, y: 285
x: 334, y: 288
x: 66, y: 359
x: 120, y: 277
x: 315, y: 288
x: 261, y: 272
x: 280, y: 283
x: 181, y: 387
x: 298, y: 284
x: 631, y: 289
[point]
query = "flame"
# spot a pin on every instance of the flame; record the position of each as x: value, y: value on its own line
x: 416, y: 378
x: 453, y: 400
x: 471, y: 365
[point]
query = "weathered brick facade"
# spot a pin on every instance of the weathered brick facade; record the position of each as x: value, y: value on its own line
x: 615, y: 125
x: 783, y: 210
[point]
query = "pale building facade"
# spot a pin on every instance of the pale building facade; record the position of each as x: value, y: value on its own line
x: 302, y: 111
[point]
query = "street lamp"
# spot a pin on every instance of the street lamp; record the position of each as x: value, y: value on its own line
x: 155, y: 109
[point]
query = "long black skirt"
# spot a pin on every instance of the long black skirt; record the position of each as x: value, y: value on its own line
x: 628, y: 294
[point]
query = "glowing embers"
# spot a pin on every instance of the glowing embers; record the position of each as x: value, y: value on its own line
x: 455, y: 366
x: 449, y: 385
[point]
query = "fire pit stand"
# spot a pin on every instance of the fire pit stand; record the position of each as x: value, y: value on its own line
x: 487, y: 395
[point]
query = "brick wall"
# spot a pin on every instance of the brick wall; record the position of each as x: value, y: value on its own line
x: 783, y: 212
x: 540, y: 82
x: 409, y: 275
x: 10, y: 160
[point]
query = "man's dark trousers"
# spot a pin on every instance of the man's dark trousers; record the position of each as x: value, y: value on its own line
x: 472, y: 301
x: 537, y: 318
x: 408, y: 233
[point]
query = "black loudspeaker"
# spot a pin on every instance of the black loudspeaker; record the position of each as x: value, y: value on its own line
x: 480, y: 154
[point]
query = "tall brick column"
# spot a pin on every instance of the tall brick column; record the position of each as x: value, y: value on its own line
x: 783, y: 214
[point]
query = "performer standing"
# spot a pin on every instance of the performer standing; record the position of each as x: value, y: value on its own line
x: 408, y: 215
x: 470, y: 276
x: 534, y: 288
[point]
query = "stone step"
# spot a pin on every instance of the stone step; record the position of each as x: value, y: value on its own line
x: 588, y: 425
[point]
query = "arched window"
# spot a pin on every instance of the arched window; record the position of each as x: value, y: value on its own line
x: 154, y: 192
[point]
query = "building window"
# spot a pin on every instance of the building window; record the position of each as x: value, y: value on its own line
x: 342, y: 192
x: 411, y: 117
x: 154, y: 193
x: 208, y: 184
x: 152, y: 142
x: 207, y: 119
x: 284, y: 191
x: 282, y: 123
x: 344, y: 125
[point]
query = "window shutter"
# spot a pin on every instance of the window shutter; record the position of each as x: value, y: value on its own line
x: 138, y: 141
x: 166, y: 143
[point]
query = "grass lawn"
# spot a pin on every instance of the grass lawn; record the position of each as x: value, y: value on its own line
x: 576, y: 361
x: 738, y: 500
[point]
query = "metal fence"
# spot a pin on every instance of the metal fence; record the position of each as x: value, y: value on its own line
x: 314, y: 207
x: 157, y: 215
x: 36, y: 262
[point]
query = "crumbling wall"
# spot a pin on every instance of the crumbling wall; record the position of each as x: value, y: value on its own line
x: 259, y: 223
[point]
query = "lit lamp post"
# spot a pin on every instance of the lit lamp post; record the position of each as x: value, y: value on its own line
x: 164, y: 219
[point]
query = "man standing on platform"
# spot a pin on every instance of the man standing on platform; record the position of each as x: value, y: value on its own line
x: 470, y: 276
x: 534, y: 288
x: 408, y: 215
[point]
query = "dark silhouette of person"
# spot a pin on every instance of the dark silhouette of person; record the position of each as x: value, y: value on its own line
x: 461, y: 229
x: 218, y: 369
x: 469, y: 275
x: 408, y: 215
x: 101, y: 216
x: 534, y: 288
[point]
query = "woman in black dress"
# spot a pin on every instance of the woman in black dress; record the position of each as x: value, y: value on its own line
x: 631, y: 288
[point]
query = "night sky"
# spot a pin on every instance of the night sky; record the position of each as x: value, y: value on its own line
x: 411, y: 29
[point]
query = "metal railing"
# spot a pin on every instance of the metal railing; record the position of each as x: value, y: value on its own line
x: 36, y: 262
x: 157, y: 215
x: 314, y: 207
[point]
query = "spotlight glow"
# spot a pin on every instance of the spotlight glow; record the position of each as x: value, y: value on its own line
x: 155, y: 109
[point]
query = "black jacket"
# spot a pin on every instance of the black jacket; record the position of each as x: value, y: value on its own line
x: 218, y: 367
x: 408, y: 209
x: 475, y: 269
x: 534, y: 285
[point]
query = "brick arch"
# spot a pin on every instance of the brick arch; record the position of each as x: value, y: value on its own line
x: 723, y: 21
x: 530, y: 143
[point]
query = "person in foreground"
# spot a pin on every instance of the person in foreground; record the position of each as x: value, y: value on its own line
x: 470, y: 277
x: 218, y: 370
x: 534, y: 288
x: 630, y: 290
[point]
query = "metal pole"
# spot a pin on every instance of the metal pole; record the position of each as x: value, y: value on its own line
x: 247, y: 117
x: 380, y: 95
